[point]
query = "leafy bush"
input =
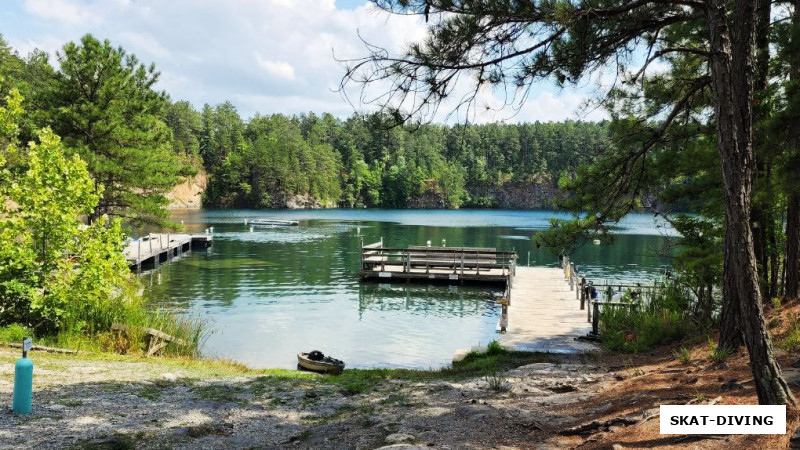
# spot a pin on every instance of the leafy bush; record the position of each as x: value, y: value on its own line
x: 494, y: 348
x: 14, y: 333
x: 67, y: 281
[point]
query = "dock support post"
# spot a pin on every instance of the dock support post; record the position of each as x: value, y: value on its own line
x: 595, y: 317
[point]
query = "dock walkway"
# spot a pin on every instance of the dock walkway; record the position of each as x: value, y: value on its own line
x: 154, y: 248
x: 544, y: 314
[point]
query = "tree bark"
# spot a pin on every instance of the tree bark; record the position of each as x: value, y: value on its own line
x: 760, y: 217
x: 792, y: 263
x: 732, y: 70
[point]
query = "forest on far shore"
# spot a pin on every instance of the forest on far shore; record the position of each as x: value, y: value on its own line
x: 364, y: 161
x: 138, y: 142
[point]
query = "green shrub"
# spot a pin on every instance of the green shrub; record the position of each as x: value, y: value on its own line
x: 494, y: 348
x: 683, y: 356
x: 15, y: 333
x: 720, y: 355
x: 634, y: 330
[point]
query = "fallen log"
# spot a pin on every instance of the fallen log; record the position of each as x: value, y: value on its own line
x: 41, y: 348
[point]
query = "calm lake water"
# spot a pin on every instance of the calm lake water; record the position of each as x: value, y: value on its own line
x: 270, y: 293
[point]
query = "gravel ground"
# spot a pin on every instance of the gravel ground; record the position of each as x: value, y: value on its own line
x: 85, y: 403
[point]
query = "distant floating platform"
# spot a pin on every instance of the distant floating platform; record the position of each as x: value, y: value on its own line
x: 450, y: 265
x: 274, y: 223
x: 156, y: 248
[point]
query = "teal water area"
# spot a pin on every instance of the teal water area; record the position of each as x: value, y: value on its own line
x: 268, y: 293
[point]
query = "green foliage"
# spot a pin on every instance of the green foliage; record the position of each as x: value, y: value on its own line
x: 635, y: 330
x: 63, y: 279
x: 720, y: 355
x: 104, y: 107
x: 273, y: 160
x: 14, y: 333
x: 683, y: 355
x: 494, y: 348
x: 496, y: 382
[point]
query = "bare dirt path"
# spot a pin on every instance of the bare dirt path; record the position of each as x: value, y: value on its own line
x: 145, y: 404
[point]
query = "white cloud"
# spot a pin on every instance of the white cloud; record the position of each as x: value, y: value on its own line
x: 144, y: 45
x: 278, y: 69
x: 265, y: 56
x: 64, y: 11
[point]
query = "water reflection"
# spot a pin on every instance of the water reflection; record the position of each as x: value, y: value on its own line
x: 270, y: 293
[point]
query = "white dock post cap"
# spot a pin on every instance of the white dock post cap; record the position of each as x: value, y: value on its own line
x: 428, y: 243
x: 245, y: 221
x: 212, y: 229
x: 251, y: 229
x: 206, y: 230
x: 444, y: 242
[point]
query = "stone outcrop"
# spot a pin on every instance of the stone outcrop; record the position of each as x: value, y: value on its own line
x: 515, y: 195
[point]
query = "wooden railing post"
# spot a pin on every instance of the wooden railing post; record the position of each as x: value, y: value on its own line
x: 595, y: 318
x: 582, y: 294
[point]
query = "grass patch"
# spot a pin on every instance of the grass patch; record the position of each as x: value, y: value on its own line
x: 219, y: 393
x: 70, y: 403
x: 496, y: 382
x: 493, y: 360
x: 791, y: 341
x: 117, y: 441
x: 150, y: 392
x: 632, y: 330
x: 15, y: 333
x: 683, y: 355
x: 718, y: 355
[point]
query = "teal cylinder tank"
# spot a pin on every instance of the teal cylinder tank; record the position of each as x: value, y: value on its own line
x: 23, y: 386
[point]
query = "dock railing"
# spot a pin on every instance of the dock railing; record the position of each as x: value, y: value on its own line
x: 638, y: 294
x: 460, y: 262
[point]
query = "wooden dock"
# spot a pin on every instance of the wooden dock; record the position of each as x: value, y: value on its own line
x: 454, y: 265
x: 156, y: 248
x: 545, y: 313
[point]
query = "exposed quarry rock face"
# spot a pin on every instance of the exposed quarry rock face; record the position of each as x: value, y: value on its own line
x: 515, y: 195
x: 511, y: 195
x: 188, y: 194
x: 306, y: 202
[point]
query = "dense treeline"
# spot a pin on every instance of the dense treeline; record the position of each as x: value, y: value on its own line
x: 310, y: 161
x: 138, y: 142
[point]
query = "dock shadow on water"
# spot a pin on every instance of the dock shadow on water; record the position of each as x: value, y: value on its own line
x: 267, y: 294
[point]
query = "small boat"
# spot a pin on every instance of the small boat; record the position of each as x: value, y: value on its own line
x: 315, y: 361
x: 274, y: 223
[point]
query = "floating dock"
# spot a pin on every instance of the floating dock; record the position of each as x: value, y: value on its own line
x: 156, y: 248
x: 454, y: 265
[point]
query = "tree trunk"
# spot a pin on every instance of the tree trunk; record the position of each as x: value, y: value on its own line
x: 761, y: 208
x: 732, y: 51
x: 792, y: 263
x: 730, y: 331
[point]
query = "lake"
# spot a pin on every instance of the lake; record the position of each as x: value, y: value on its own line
x: 272, y: 292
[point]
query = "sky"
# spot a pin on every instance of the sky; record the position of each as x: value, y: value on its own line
x: 265, y: 56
